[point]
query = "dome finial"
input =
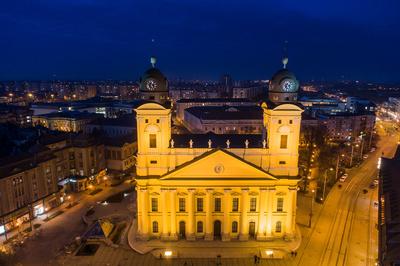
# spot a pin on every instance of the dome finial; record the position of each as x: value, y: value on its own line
x: 153, y: 61
x: 285, y: 60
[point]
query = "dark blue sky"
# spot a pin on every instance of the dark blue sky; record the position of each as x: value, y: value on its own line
x: 112, y: 39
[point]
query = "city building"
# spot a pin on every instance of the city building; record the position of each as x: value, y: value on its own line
x: 224, y: 119
x: 389, y: 210
x: 207, y: 186
x: 183, y: 104
x: 17, y: 115
x: 153, y: 84
x: 120, y: 155
x: 112, y: 127
x: 249, y: 92
x: 69, y: 121
x: 347, y: 126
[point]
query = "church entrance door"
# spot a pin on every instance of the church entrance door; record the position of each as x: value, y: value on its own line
x: 217, y: 229
x: 182, y: 230
x: 252, y: 229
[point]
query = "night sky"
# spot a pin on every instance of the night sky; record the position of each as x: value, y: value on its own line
x: 113, y: 39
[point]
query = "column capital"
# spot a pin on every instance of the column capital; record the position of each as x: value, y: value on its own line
x: 209, y: 190
x: 191, y: 190
x: 227, y: 190
x: 263, y: 189
x: 245, y: 189
x: 172, y: 189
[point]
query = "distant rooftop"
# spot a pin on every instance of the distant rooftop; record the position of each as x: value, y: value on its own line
x: 214, y: 100
x: 227, y: 112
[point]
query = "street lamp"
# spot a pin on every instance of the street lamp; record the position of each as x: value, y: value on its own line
x: 312, y: 204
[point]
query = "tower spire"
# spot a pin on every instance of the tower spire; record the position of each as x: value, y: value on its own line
x: 153, y: 61
x: 285, y: 58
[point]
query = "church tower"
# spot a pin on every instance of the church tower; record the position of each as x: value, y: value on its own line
x: 153, y: 84
x: 283, y: 87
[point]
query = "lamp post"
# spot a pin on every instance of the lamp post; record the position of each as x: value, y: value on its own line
x: 312, y: 204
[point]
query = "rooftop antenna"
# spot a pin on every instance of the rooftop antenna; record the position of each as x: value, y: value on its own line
x: 153, y: 61
x: 285, y: 58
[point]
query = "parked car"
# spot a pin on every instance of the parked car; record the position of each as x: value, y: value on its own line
x: 373, y: 149
x: 343, y: 178
x: 365, y: 156
x: 376, y: 182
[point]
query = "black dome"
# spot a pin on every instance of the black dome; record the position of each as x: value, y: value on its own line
x: 278, y: 77
x: 156, y: 75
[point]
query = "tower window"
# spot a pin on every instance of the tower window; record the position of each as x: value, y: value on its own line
x: 234, y: 227
x: 235, y: 204
x: 284, y: 139
x: 199, y: 204
x: 153, y: 140
x: 154, y: 204
x: 217, y: 205
x: 158, y: 121
x: 278, y: 227
x: 181, y: 204
x: 279, y: 205
x: 279, y: 121
x: 253, y: 204
x: 290, y: 121
x: 199, y: 227
x: 155, y: 227
x: 282, y: 162
x: 146, y: 120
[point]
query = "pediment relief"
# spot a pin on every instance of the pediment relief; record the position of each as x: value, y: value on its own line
x: 218, y: 194
x: 280, y: 193
x: 235, y: 194
x: 253, y: 193
x: 155, y: 194
x: 181, y: 193
x: 200, y: 194
x: 219, y: 165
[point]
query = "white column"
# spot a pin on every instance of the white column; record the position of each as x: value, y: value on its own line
x: 190, y: 234
x: 145, y: 214
x: 244, y: 223
x: 139, y: 210
x: 209, y: 233
x: 270, y: 210
x: 164, y: 235
x: 262, y: 221
x: 289, y: 213
x: 173, y: 234
x: 226, y: 223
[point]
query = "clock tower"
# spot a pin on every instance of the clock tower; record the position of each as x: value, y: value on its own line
x: 153, y: 84
x: 283, y: 86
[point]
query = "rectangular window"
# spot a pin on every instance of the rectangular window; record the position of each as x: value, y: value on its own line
x: 235, y: 204
x: 234, y: 227
x: 279, y: 204
x: 153, y: 140
x: 199, y: 204
x: 282, y: 162
x: 284, y: 139
x: 199, y: 227
x: 253, y: 204
x: 181, y: 204
x: 154, y: 204
x: 217, y: 205
x: 153, y: 162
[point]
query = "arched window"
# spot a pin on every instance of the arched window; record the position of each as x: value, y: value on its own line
x: 234, y: 227
x: 278, y: 227
x: 199, y: 227
x: 155, y: 227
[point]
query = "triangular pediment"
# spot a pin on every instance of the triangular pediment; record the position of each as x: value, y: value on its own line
x: 218, y: 164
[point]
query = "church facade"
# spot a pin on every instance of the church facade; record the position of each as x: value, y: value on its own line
x: 218, y: 187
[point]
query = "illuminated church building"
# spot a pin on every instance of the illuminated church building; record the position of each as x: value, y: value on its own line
x: 209, y: 186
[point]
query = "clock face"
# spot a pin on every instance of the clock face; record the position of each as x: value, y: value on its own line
x: 151, y: 85
x: 288, y: 85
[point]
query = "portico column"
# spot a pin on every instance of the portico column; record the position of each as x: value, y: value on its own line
x: 145, y: 214
x: 190, y: 235
x: 226, y: 223
x: 164, y: 235
x: 209, y: 233
x: 172, y: 194
x: 139, y: 210
x: 244, y: 225
x: 269, y: 212
x: 261, y: 216
x: 289, y: 213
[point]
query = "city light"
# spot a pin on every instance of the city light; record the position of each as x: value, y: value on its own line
x: 168, y: 253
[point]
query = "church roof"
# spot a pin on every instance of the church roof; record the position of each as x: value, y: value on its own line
x: 218, y: 140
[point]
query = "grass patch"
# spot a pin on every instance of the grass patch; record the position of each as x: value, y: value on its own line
x: 94, y: 192
x: 54, y: 215
x: 116, y: 234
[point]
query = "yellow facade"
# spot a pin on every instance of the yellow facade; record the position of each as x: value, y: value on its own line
x: 217, y: 193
